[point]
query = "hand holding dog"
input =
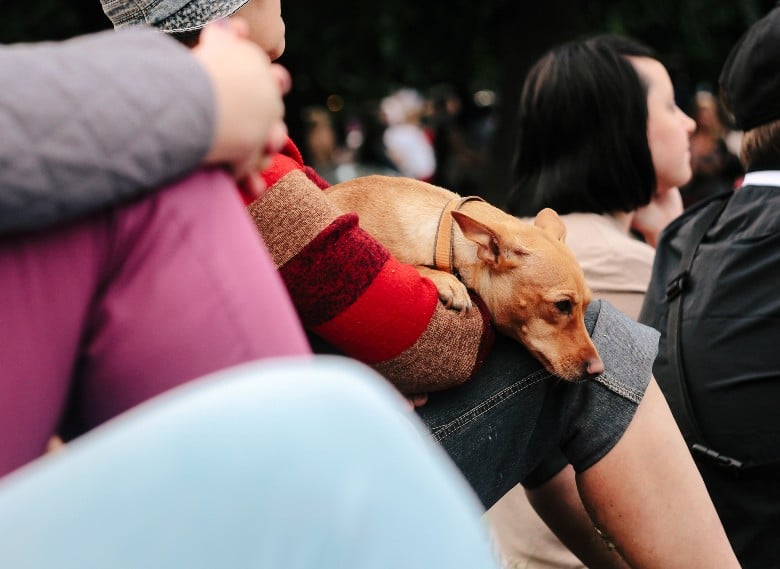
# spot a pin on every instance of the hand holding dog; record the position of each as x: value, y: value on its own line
x: 416, y: 400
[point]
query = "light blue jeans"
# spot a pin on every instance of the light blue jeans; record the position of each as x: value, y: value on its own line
x: 288, y: 463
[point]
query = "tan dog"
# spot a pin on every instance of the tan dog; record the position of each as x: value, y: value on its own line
x: 529, y: 280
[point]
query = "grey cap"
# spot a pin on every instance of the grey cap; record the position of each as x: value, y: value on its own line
x: 169, y: 15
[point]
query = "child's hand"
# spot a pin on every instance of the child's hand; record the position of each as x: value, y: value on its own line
x: 248, y: 97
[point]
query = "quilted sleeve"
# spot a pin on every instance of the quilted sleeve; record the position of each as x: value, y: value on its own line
x: 94, y: 121
x: 351, y: 292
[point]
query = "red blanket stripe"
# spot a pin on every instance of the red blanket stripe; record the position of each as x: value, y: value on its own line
x: 315, y: 177
x: 322, y: 279
x: 387, y: 318
x: 287, y: 160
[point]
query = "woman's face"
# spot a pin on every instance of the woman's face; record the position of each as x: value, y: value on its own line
x: 668, y: 127
x: 266, y: 26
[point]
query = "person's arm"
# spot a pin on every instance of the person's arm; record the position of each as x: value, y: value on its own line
x: 351, y: 292
x: 558, y: 503
x: 634, y: 473
x: 647, y: 495
x: 97, y: 120
x: 93, y: 121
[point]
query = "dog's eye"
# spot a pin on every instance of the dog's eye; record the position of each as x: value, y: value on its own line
x: 563, y: 306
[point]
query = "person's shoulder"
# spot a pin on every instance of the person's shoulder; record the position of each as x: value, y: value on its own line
x: 682, y: 224
x: 701, y: 207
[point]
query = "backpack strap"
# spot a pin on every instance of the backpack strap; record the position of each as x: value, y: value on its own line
x: 678, y: 394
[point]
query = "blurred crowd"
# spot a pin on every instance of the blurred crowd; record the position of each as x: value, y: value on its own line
x: 435, y: 135
x: 714, y: 150
x: 443, y: 137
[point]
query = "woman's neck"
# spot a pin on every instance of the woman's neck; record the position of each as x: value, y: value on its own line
x: 623, y: 219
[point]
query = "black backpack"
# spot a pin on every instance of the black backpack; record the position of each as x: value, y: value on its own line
x: 696, y: 280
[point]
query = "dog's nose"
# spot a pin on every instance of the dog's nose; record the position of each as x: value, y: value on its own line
x: 594, y: 367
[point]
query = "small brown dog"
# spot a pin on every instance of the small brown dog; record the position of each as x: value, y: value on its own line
x: 527, y: 277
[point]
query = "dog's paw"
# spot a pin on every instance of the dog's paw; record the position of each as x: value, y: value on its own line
x: 452, y: 292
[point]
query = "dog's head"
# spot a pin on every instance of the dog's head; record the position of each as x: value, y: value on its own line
x: 533, y: 286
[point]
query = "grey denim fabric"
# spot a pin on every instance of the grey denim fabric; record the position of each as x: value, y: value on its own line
x: 625, y: 347
x: 97, y: 121
x: 169, y: 15
x: 514, y: 422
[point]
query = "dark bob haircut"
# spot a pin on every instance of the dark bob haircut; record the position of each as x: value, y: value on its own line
x: 582, y: 138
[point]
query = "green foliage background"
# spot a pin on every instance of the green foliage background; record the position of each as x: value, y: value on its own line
x: 361, y: 49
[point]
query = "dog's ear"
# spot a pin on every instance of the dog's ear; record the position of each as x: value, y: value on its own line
x: 548, y: 220
x: 488, y: 241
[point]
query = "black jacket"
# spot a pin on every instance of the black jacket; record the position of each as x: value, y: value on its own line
x: 730, y: 337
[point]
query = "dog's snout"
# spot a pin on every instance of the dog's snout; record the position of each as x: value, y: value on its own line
x: 594, y: 367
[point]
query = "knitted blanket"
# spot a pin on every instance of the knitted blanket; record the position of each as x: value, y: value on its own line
x: 352, y: 293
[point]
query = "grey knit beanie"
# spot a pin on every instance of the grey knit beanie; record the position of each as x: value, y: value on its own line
x: 169, y: 15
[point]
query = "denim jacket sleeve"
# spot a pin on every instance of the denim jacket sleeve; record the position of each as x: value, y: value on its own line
x: 95, y: 121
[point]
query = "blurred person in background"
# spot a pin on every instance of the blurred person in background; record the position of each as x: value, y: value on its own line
x: 460, y: 161
x: 716, y: 168
x: 407, y: 142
